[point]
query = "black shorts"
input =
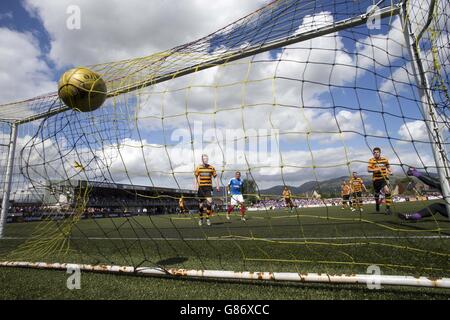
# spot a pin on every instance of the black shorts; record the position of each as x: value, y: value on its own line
x: 346, y: 197
x: 357, y: 195
x: 378, y: 185
x: 204, y: 192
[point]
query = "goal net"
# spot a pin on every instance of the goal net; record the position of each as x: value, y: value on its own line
x: 297, y: 94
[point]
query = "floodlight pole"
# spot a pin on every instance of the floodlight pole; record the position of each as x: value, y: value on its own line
x: 427, y: 104
x: 8, y: 177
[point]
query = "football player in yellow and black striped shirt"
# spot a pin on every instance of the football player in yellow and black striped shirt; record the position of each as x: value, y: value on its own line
x: 204, y: 175
x: 182, y: 205
x: 287, y: 196
x: 345, y: 193
x: 357, y: 186
x: 380, y: 169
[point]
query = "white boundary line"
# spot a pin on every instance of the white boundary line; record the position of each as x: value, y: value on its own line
x: 241, y: 238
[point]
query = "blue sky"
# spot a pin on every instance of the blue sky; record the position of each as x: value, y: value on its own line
x: 359, y: 64
x: 15, y: 16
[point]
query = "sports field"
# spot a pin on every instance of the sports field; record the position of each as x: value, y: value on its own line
x: 309, y: 240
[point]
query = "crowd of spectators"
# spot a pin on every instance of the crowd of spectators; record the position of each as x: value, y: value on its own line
x: 274, y: 204
x: 299, y: 203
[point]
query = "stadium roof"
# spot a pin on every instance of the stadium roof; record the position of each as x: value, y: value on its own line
x: 118, y: 186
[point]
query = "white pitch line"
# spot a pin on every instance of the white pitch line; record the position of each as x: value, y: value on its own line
x: 244, y: 239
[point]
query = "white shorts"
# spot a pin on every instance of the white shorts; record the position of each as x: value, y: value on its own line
x: 236, y: 199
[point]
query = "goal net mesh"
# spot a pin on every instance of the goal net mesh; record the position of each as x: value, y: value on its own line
x: 278, y: 95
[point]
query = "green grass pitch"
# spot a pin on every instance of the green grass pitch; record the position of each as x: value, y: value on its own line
x: 308, y: 240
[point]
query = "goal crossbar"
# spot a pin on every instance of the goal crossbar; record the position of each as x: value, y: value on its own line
x: 271, y: 45
x: 385, y: 12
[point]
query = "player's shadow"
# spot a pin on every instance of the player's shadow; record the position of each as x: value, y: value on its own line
x: 217, y: 223
x: 415, y: 226
x: 171, y: 261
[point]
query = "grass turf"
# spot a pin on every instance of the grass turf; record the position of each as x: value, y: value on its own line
x: 309, y: 240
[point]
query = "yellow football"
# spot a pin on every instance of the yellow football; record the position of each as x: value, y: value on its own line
x: 82, y: 89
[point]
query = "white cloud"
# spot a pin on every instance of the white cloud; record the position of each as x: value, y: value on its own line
x: 383, y: 50
x: 414, y: 131
x: 400, y: 81
x: 114, y: 29
x: 319, y: 62
x: 243, y: 94
x: 23, y: 72
x: 417, y: 131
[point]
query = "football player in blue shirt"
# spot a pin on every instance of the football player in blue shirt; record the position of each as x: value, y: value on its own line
x: 235, y: 188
